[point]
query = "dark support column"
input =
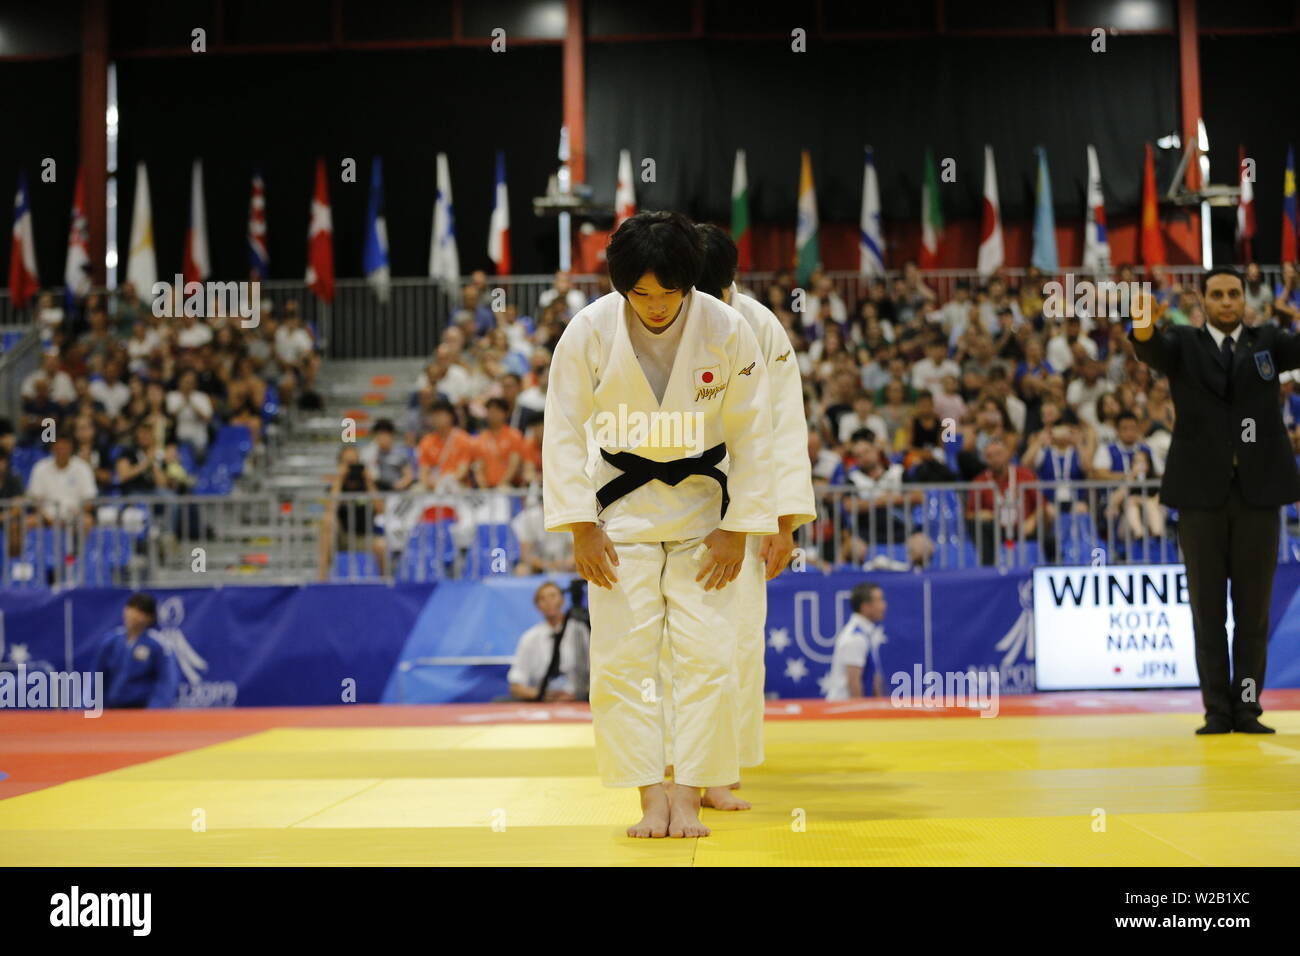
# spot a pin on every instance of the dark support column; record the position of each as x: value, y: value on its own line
x: 575, y: 92
x: 94, y: 139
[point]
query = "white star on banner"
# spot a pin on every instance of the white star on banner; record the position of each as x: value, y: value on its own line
x: 18, y: 654
x: 779, y: 640
x: 796, y: 669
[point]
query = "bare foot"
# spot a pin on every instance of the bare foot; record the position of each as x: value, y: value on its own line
x: 720, y: 798
x: 685, y: 818
x: 654, y: 813
x: 734, y: 786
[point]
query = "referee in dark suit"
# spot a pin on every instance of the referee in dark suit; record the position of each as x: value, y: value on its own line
x: 1229, y: 472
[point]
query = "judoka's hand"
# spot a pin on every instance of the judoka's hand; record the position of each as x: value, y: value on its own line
x: 775, y: 550
x: 593, y: 553
x: 724, y: 554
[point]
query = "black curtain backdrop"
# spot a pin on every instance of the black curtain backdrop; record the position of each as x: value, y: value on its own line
x: 279, y: 112
x: 1248, y: 93
x: 38, y: 100
x: 691, y: 105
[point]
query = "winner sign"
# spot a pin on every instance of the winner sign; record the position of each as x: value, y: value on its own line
x: 1114, y: 627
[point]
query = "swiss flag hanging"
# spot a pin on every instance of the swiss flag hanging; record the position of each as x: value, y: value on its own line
x: 320, y: 240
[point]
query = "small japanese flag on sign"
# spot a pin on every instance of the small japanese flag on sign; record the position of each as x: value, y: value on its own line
x: 707, y: 377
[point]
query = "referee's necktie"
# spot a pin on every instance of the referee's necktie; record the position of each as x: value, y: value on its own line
x: 1227, y: 354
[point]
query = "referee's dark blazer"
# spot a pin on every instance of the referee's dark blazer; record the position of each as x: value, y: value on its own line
x: 1211, y: 411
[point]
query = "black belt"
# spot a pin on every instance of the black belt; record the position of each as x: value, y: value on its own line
x: 638, y: 471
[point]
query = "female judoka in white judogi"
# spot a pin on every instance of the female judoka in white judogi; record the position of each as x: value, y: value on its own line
x: 675, y: 389
x: 794, y: 503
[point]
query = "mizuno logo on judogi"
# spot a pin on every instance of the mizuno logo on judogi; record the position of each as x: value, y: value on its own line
x: 748, y: 368
x: 782, y: 358
x: 708, y: 382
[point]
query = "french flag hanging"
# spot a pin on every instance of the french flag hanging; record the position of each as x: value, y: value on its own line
x: 197, y: 266
x: 259, y: 261
x: 499, y: 230
x: 23, y: 283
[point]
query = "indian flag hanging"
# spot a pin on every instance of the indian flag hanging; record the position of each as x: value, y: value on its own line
x: 740, y: 214
x: 807, y: 257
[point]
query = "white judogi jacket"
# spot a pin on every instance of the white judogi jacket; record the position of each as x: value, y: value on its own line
x: 596, y: 378
x: 792, y: 475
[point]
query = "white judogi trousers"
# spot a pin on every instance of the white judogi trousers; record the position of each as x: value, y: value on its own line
x: 749, y: 625
x: 657, y: 607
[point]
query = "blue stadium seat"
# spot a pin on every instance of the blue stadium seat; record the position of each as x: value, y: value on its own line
x: 271, y: 404
x: 350, y: 565
x: 428, y: 552
x: 1077, y: 537
x: 489, y: 537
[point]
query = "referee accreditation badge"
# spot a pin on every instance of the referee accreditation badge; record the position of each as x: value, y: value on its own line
x: 1264, y: 363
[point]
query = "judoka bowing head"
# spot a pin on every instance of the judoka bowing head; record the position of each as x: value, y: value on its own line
x: 653, y: 261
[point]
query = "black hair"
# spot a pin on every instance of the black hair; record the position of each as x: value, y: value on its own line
x: 862, y: 594
x: 1123, y: 415
x: 1221, y: 271
x: 144, y: 603
x: 384, y: 425
x: 442, y: 405
x: 498, y: 403
x: 720, y: 259
x: 863, y: 434
x: 662, y: 243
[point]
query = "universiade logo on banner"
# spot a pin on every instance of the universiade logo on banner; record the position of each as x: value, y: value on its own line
x: 631, y: 429
x: 209, y: 300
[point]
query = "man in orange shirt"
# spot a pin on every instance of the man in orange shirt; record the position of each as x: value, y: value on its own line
x: 498, y: 455
x: 446, y: 453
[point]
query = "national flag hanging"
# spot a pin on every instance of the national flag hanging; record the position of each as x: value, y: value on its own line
x: 76, y: 270
x: 142, y: 263
x: 1096, y: 241
x: 197, y: 266
x: 625, y: 193
x: 259, y: 260
x: 1289, y: 208
x: 1245, y: 208
x: 740, y: 231
x: 807, y: 254
x: 1152, y: 243
x: 931, y: 215
x: 374, y: 255
x: 23, y: 281
x: 991, y: 252
x: 1044, y: 254
x: 871, y: 240
x: 444, y: 260
x: 320, y: 240
x: 499, y: 228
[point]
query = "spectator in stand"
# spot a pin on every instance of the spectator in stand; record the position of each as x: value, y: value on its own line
x: 541, y: 551
x: 475, y: 308
x: 863, y: 415
x: 998, y: 300
x: 139, y: 467
x: 446, y: 453
x: 498, y: 454
x: 192, y: 411
x: 1259, y: 297
x: 38, y: 414
x: 245, y: 397
x: 92, y: 447
x: 295, y: 351
x: 1061, y: 350
x: 347, y: 525
x: 110, y: 391
x: 61, y: 487
x: 957, y: 315
x: 929, y: 373
x: 993, y: 523
x: 571, y: 299
x: 1286, y: 296
x: 59, y: 387
x: 388, y: 462
x: 1083, y: 393
x: 1115, y: 460
x: 193, y: 332
x: 948, y: 404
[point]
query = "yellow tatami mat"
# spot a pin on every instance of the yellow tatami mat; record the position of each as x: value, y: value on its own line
x: 1131, y: 789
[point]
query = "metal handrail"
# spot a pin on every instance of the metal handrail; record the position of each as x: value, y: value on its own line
x: 428, y: 535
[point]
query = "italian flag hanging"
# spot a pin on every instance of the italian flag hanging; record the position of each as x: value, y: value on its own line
x: 931, y: 215
x: 805, y: 238
x: 740, y: 215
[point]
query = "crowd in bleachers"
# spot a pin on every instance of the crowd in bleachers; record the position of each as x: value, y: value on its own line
x: 902, y: 388
x: 130, y: 402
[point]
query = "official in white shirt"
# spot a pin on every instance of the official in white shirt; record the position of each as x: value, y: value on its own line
x: 62, y: 484
x: 857, y: 643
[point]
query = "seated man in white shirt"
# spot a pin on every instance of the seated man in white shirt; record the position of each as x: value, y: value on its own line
x: 62, y: 486
x: 552, y: 658
x: 574, y: 300
x: 857, y: 643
